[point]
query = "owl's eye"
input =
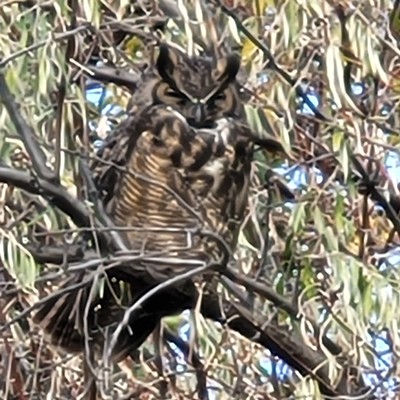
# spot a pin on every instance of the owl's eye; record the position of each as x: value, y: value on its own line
x: 219, y: 96
x: 175, y: 94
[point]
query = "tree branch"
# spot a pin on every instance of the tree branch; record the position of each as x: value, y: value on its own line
x: 280, y: 302
x: 113, y: 75
x: 28, y: 137
x: 272, y: 63
x: 61, y: 199
x: 193, y: 358
x: 288, y: 346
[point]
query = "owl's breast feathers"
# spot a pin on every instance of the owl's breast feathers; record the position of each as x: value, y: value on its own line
x: 171, y: 184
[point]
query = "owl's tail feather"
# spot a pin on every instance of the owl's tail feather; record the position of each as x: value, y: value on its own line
x: 76, y: 315
x: 61, y: 315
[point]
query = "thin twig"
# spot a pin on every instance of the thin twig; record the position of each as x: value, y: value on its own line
x: 272, y: 64
x: 52, y: 38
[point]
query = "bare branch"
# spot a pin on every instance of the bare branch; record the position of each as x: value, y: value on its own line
x: 193, y: 358
x: 271, y: 60
x: 28, y: 136
x: 286, y: 345
x: 61, y: 199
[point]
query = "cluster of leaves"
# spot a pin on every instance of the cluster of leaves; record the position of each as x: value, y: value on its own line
x: 317, y: 263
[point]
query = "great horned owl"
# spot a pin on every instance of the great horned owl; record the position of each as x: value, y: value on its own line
x: 174, y: 176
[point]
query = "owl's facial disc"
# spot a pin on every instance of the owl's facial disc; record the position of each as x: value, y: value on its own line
x: 201, y: 89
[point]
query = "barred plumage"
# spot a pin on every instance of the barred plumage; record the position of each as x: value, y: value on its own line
x: 179, y: 177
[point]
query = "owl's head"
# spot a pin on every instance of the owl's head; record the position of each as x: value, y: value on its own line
x: 202, y: 89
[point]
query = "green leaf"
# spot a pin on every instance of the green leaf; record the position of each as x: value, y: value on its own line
x: 319, y: 220
x: 337, y: 140
x: 298, y: 218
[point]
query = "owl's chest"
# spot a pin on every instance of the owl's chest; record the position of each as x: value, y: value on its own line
x: 178, y: 181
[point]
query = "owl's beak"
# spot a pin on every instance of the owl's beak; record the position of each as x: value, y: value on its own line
x: 199, y: 113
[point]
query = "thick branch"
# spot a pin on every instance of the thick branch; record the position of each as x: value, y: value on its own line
x: 113, y: 75
x: 59, y: 255
x: 61, y: 199
x: 193, y: 358
x: 28, y: 137
x: 391, y: 207
x: 288, y: 346
x: 280, y: 302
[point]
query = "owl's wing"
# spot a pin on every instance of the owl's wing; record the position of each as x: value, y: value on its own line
x: 108, y: 164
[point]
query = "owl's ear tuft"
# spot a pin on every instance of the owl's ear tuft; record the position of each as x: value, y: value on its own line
x: 167, y: 60
x: 228, y: 68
